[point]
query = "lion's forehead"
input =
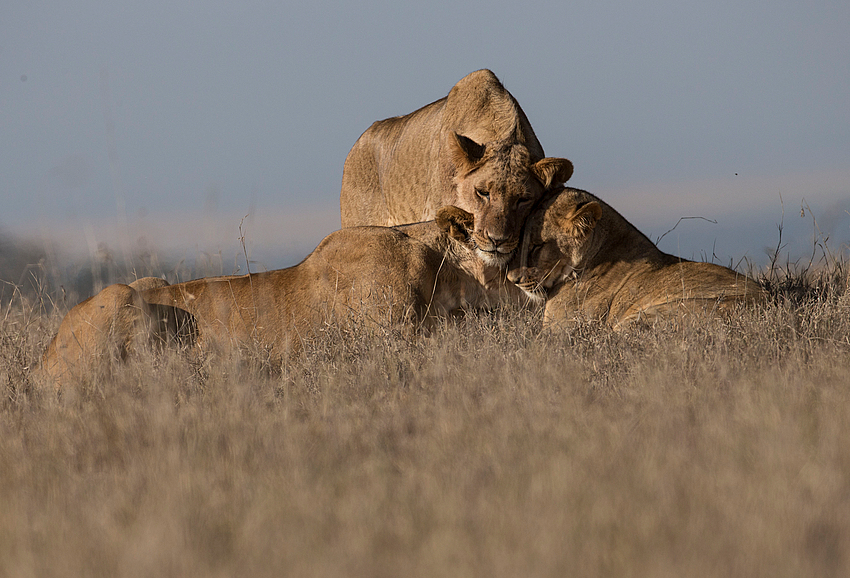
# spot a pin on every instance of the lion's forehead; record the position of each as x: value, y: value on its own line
x: 511, y: 152
x: 507, y: 167
x: 508, y: 164
x: 508, y: 181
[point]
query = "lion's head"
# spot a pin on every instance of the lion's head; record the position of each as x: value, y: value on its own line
x: 558, y: 239
x: 498, y: 183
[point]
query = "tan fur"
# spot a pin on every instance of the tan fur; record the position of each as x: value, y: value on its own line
x: 474, y: 149
x: 585, y: 259
x: 109, y: 326
x: 387, y: 277
x: 148, y: 283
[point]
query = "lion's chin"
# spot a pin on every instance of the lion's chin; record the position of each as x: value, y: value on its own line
x: 494, y: 258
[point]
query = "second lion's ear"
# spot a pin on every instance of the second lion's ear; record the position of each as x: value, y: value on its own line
x: 465, y: 152
x: 582, y: 222
x: 455, y: 222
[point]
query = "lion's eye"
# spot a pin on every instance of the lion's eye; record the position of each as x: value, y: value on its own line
x: 523, y: 203
x: 483, y: 194
x: 535, y: 251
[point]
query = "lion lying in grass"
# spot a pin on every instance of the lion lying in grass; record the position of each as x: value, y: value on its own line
x: 386, y: 277
x: 584, y: 259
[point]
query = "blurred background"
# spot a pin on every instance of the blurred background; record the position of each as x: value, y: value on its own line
x: 209, y: 137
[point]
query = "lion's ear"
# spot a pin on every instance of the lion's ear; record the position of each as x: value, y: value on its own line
x: 585, y: 218
x: 552, y: 171
x: 579, y: 223
x: 455, y: 222
x: 465, y: 152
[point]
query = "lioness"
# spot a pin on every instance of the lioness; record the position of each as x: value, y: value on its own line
x: 388, y: 277
x: 474, y: 149
x: 584, y: 258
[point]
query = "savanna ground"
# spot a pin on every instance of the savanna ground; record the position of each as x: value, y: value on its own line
x: 490, y: 448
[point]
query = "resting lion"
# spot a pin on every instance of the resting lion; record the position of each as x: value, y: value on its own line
x: 474, y: 149
x: 584, y: 258
x: 387, y: 277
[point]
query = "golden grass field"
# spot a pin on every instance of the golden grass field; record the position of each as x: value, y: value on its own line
x: 490, y: 448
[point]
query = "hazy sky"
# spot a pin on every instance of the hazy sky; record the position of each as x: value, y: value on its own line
x: 173, y: 120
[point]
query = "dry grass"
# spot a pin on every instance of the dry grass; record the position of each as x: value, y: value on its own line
x: 487, y: 449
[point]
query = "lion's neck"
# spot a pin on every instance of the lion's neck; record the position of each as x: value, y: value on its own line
x: 622, y: 247
x: 426, y: 232
x: 622, y: 256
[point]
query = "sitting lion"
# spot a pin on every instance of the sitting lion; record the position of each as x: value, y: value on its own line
x: 584, y: 258
x: 474, y: 149
x: 386, y: 277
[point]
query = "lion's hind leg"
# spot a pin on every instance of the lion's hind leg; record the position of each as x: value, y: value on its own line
x: 106, y: 327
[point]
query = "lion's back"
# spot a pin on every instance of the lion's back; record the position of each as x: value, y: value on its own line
x: 388, y: 170
x: 688, y: 287
x: 370, y: 254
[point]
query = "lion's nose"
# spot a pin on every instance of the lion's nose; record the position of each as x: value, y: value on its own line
x: 497, y: 240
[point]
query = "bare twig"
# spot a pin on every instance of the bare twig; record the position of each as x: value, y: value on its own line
x: 818, y: 238
x: 242, y: 241
x: 250, y: 279
x: 772, y: 271
x: 658, y: 240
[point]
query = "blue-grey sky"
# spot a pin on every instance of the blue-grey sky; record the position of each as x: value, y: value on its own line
x: 173, y: 120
